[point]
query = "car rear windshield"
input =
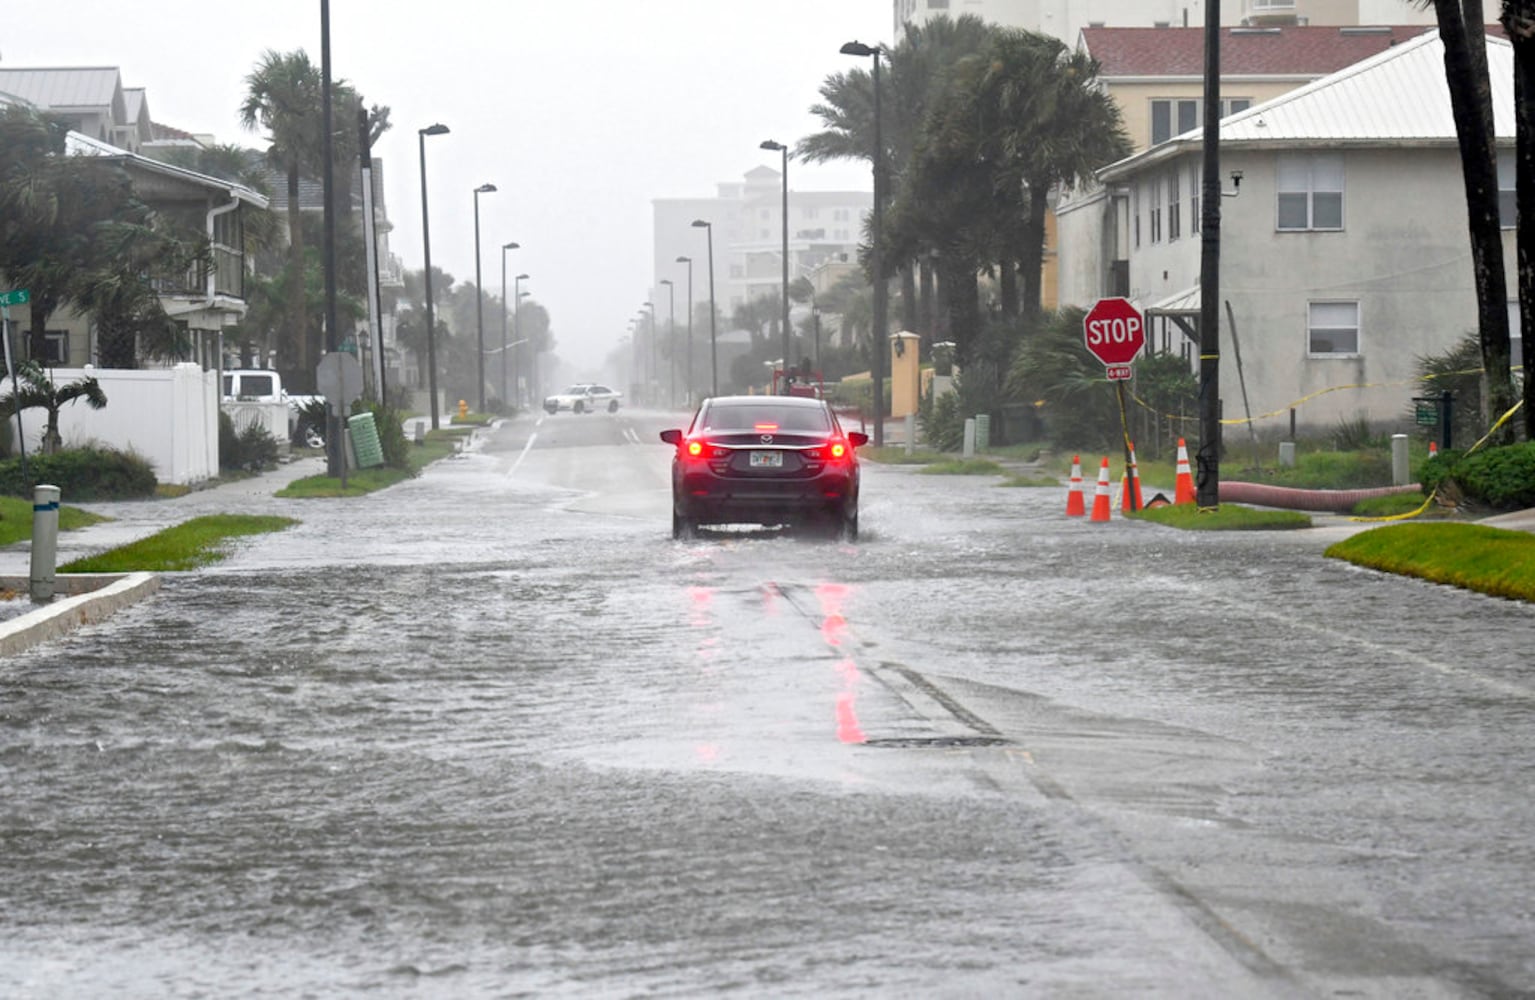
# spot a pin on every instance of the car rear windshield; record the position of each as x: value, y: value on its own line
x: 783, y: 418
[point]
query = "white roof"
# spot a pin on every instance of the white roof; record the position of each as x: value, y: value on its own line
x: 1398, y: 97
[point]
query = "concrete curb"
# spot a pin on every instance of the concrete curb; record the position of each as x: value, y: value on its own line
x: 94, y: 596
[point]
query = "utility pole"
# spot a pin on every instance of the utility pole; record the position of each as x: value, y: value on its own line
x: 1207, y: 476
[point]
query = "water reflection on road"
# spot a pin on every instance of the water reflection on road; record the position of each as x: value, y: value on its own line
x: 492, y: 733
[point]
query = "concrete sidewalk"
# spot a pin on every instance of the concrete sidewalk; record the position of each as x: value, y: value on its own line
x: 136, y: 519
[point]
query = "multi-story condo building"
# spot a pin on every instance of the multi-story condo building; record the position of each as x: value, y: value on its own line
x: 1065, y: 18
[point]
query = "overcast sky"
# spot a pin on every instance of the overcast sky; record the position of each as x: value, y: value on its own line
x: 580, y: 112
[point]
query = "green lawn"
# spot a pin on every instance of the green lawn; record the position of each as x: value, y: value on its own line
x: 16, y: 519
x: 194, y: 543
x: 1226, y: 517
x: 1472, y: 556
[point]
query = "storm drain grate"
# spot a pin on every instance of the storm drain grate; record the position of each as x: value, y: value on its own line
x: 919, y: 742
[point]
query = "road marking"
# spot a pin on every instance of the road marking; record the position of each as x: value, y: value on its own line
x: 524, y: 454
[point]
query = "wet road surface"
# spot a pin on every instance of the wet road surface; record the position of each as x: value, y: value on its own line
x: 494, y: 733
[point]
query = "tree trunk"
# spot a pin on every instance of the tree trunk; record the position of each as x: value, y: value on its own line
x: 1519, y: 23
x: 1465, y: 66
x: 909, y: 296
x: 1032, y: 260
x: 1007, y: 280
x: 925, y: 324
x: 961, y: 294
x: 298, y: 333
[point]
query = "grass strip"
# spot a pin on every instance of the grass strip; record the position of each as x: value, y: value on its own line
x: 1031, y: 480
x: 1226, y: 517
x: 188, y: 545
x: 16, y: 519
x: 359, y: 482
x: 964, y: 467
x: 1470, y: 556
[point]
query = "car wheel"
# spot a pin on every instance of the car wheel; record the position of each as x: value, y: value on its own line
x: 683, y: 528
x: 848, y: 527
x: 579, y: 407
x: 613, y: 406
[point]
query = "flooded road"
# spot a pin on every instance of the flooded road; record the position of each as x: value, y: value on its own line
x: 494, y: 733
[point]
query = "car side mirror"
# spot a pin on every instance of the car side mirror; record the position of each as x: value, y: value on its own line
x: 672, y: 437
x: 857, y: 438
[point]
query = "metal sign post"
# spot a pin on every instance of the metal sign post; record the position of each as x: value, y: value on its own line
x: 19, y: 297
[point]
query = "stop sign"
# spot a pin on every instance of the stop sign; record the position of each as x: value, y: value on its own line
x: 1114, y: 331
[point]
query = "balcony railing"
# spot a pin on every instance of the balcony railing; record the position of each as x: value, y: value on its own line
x: 228, y: 276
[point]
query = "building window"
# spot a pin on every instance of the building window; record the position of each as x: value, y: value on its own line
x: 1310, y: 191
x: 937, y: 4
x: 1174, y: 207
x: 811, y: 213
x: 55, y: 348
x: 1273, y: 5
x: 1515, y: 336
x: 1175, y: 116
x: 1156, y: 209
x: 1332, y: 329
x: 840, y: 215
x: 762, y: 234
x: 1196, y: 183
x: 1508, y: 204
x: 1135, y: 213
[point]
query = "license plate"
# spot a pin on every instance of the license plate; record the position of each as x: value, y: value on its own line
x: 767, y: 460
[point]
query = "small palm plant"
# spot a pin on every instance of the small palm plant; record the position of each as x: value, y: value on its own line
x: 35, y: 389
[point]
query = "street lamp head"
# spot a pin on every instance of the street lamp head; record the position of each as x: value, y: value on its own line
x: 523, y: 295
x: 485, y: 189
x: 522, y: 277
x: 438, y: 129
x: 859, y: 49
x: 684, y: 260
x: 511, y: 246
x: 702, y: 224
x: 774, y: 146
x: 666, y: 281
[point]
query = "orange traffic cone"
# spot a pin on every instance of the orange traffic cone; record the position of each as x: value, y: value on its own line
x: 1183, y: 491
x: 1102, y: 508
x: 1135, y: 479
x: 1074, y: 503
x: 1433, y: 449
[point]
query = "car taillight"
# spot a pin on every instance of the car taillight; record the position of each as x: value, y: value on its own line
x: 838, y: 450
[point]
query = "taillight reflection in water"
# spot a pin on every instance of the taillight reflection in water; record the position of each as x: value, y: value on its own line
x: 833, y: 628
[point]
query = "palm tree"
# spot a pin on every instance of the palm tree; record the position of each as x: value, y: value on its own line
x: 284, y: 98
x: 1465, y: 68
x: 1519, y: 22
x: 73, y: 231
x: 918, y: 69
x: 36, y: 389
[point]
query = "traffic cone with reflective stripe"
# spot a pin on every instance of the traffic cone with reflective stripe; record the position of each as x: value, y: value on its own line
x: 1075, y: 506
x: 1183, y: 488
x: 1102, y: 506
x: 1433, y: 449
x: 1135, y: 479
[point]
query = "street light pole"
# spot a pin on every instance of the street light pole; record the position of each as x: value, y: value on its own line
x: 504, y: 248
x: 517, y: 296
x: 426, y: 240
x: 479, y: 300
x: 787, y: 360
x: 671, y: 335
x: 651, y: 369
x: 689, y: 262
x: 876, y: 250
x: 714, y: 356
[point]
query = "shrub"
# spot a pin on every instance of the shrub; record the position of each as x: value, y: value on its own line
x: 943, y: 423
x: 390, y: 424
x: 82, y: 474
x: 251, y: 449
x: 1499, y: 477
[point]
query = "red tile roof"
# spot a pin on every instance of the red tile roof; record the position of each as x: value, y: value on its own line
x: 1286, y: 50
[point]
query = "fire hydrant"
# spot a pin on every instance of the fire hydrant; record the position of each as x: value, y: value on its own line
x: 463, y: 410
